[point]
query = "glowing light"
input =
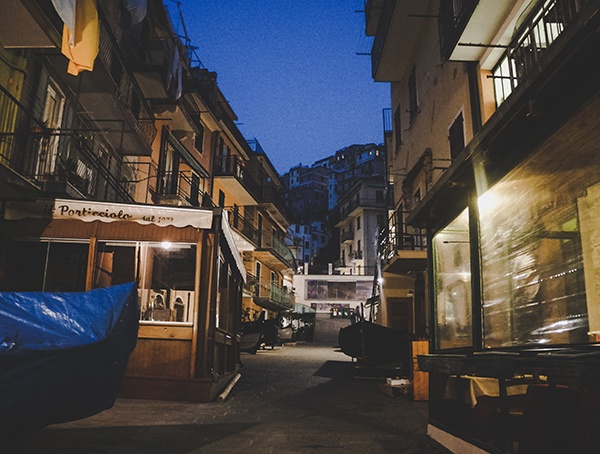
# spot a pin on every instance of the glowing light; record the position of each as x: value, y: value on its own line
x: 166, y: 245
x: 488, y: 202
x: 380, y: 280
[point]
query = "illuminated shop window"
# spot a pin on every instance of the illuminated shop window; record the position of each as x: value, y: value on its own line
x: 540, y: 231
x: 452, y: 287
x: 165, y: 273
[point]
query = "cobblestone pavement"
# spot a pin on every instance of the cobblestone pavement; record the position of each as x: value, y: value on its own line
x: 297, y: 399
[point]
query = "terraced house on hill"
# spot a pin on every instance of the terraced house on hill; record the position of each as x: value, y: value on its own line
x: 120, y: 161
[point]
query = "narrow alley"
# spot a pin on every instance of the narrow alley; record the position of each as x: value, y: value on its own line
x: 300, y: 398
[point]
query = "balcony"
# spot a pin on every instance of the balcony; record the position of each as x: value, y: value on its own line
x: 230, y: 171
x: 401, y: 248
x: 181, y: 188
x: 397, y: 31
x: 111, y: 99
x: 245, y: 227
x: 526, y: 52
x: 342, y: 267
x: 480, y: 30
x: 347, y: 237
x: 274, y: 252
x: 272, y: 297
x: 271, y: 198
x: 356, y: 255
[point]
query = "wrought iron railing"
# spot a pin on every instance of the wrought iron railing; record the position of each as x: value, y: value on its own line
x: 127, y: 91
x: 233, y: 166
x: 347, y: 236
x: 397, y: 236
x: 342, y: 267
x: 183, y: 185
x: 243, y: 225
x: 452, y: 19
x: 278, y: 247
x: 526, y: 51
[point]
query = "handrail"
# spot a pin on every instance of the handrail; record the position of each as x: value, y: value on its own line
x: 526, y: 51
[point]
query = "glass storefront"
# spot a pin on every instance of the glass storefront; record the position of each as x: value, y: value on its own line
x: 539, y: 249
x: 539, y: 244
x: 47, y: 265
x: 165, y: 274
x: 452, y: 286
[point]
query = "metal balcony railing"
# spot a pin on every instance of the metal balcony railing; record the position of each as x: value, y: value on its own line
x: 397, y: 236
x: 127, y: 92
x: 280, y: 295
x: 356, y: 255
x: 233, y: 166
x: 243, y: 225
x: 278, y: 247
x: 270, y: 293
x: 452, y: 19
x: 347, y: 236
x: 182, y: 185
x: 526, y: 51
x: 271, y: 194
x: 143, y: 177
x: 344, y: 268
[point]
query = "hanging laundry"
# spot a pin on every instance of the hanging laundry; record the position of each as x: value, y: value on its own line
x: 137, y: 9
x: 175, y: 75
x: 66, y: 11
x: 85, y: 38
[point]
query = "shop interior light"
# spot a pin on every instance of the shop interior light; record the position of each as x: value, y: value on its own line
x: 166, y: 245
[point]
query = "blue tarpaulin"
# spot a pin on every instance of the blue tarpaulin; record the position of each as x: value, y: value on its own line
x: 63, y: 355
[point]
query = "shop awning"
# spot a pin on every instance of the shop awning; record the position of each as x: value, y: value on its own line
x: 232, y: 245
x: 89, y: 211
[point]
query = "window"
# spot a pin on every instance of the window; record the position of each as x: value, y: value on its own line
x: 52, y: 110
x: 452, y: 284
x: 165, y: 276
x: 49, y: 266
x: 358, y: 223
x: 379, y: 196
x: 199, y: 137
x: 221, y: 198
x: 539, y: 228
x: 169, y: 165
x: 412, y: 95
x: 258, y: 269
x: 457, y: 136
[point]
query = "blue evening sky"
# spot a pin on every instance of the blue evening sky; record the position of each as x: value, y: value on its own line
x: 291, y: 72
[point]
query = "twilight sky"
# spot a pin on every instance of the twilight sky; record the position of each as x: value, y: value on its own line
x: 291, y: 72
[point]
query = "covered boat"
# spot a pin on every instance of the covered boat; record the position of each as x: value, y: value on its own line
x: 375, y: 344
x: 63, y: 355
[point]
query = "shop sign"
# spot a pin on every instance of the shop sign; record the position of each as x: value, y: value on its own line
x: 89, y: 211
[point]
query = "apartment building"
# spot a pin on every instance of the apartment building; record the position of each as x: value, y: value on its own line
x: 314, y: 191
x: 270, y: 263
x: 120, y: 161
x: 363, y: 211
x: 494, y: 113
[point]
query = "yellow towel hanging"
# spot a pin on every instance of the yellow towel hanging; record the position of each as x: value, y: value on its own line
x: 86, y: 36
